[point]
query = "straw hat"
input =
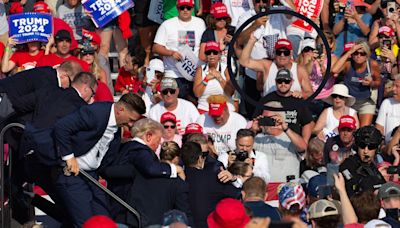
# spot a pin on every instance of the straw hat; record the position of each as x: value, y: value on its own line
x: 341, y: 90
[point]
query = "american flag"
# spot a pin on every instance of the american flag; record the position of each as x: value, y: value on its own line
x: 290, y: 194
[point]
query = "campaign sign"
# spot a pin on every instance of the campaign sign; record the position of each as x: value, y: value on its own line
x: 188, y: 65
x: 310, y: 9
x: 28, y: 27
x: 156, y: 11
x: 103, y: 11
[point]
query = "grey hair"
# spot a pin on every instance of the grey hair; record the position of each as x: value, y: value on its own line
x: 144, y: 126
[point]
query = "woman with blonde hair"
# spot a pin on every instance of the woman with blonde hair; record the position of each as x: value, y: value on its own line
x: 361, y: 75
x: 314, y: 157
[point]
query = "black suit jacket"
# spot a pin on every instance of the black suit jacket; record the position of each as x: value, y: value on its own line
x: 151, y: 197
x: 78, y: 132
x: 20, y: 87
x: 52, y: 103
x: 205, y: 191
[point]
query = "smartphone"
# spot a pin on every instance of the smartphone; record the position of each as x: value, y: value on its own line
x: 267, y: 121
x: 231, y: 30
x: 324, y: 191
x: 150, y: 74
x: 331, y: 169
x: 391, y: 8
x: 290, y: 177
x: 319, y: 49
x: 387, y: 43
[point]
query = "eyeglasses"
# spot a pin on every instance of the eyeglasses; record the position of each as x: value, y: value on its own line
x: 205, y: 154
x: 93, y: 92
x: 185, y: 7
x: 381, y: 36
x: 359, y: 53
x: 285, y: 52
x: 308, y: 49
x: 280, y: 81
x: 222, y: 18
x: 372, y: 146
x: 169, y: 126
x: 211, y: 52
x: 166, y: 91
x: 338, y: 96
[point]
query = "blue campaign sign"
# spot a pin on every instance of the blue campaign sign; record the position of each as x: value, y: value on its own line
x: 103, y: 11
x: 27, y: 27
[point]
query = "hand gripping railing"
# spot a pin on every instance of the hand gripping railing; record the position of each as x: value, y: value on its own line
x: 6, y: 222
x: 112, y: 195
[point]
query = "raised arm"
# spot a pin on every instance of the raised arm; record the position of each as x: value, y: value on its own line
x: 245, y: 59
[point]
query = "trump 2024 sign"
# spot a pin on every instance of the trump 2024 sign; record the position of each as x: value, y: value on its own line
x: 103, y: 11
x: 28, y: 27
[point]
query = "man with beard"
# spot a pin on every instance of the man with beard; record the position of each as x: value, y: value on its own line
x: 359, y: 170
x: 297, y: 114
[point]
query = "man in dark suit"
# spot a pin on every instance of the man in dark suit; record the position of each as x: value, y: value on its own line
x: 19, y: 89
x: 52, y: 103
x: 154, y: 184
x: 89, y: 139
x: 205, y: 190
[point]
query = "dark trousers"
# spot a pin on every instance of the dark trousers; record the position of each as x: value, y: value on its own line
x: 250, y: 88
x: 81, y: 198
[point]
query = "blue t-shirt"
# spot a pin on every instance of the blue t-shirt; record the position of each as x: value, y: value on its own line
x: 353, y: 32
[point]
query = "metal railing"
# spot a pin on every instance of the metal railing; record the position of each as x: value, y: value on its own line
x: 6, y: 214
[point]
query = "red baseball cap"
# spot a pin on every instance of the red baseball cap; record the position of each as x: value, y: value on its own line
x: 193, y: 128
x: 216, y: 109
x: 283, y: 43
x: 93, y: 37
x: 212, y: 45
x: 99, y: 221
x: 229, y: 213
x: 347, y: 121
x: 219, y: 10
x: 41, y: 7
x: 180, y: 3
x: 168, y: 116
x: 386, y: 30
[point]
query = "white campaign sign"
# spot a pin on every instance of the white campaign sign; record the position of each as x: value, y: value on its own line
x: 156, y: 11
x: 188, y: 65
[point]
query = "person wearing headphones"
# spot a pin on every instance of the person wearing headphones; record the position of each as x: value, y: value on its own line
x: 359, y: 170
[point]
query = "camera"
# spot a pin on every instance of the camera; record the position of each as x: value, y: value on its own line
x: 241, y: 155
x: 342, y: 9
x: 267, y: 121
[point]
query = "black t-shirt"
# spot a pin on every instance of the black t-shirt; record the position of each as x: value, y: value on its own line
x: 335, y: 151
x: 209, y: 35
x: 297, y: 114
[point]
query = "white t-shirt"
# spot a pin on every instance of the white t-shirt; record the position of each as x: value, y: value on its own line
x: 174, y: 33
x: 389, y: 116
x: 224, y: 136
x: 185, y: 113
x: 270, y: 83
x: 281, y: 155
x: 260, y: 168
x: 236, y: 8
x: 3, y: 19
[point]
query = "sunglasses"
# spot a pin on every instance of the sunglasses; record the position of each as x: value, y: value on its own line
x: 185, y: 7
x: 169, y: 126
x: 166, y: 91
x: 337, y: 96
x: 211, y: 52
x: 359, y: 53
x: 280, y: 81
x: 222, y: 18
x: 308, y: 49
x: 259, y: 1
x: 383, y: 37
x: 371, y: 146
x: 284, y: 52
x: 87, y: 53
x: 205, y: 154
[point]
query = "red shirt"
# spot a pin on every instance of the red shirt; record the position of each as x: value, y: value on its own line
x: 126, y: 80
x: 26, y: 61
x: 103, y: 93
x: 55, y: 60
x: 2, y: 47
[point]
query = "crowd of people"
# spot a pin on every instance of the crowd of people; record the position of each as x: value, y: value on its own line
x: 185, y: 149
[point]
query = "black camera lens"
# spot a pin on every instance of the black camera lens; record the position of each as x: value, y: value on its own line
x: 391, y: 10
x: 241, y: 155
